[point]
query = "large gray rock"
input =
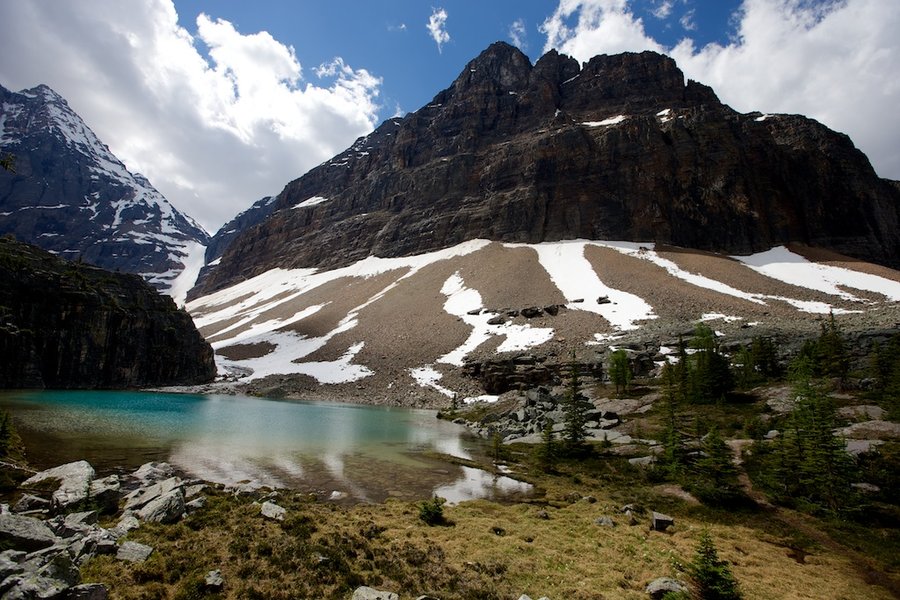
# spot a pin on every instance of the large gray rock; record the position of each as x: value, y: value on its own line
x: 25, y: 533
x: 105, y: 493
x: 167, y: 508
x: 660, y: 522
x: 154, y: 472
x: 48, y: 579
x: 88, y: 591
x: 11, y: 563
x: 662, y: 586
x: 367, y: 593
x: 270, y: 510
x: 134, y: 552
x: 74, y: 483
x: 125, y: 524
x: 139, y: 497
x: 29, y: 502
x: 80, y: 523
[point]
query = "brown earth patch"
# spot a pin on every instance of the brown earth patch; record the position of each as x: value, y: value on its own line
x: 246, y: 351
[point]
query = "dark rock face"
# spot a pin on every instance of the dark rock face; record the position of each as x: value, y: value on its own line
x: 70, y: 195
x: 70, y: 325
x: 218, y: 243
x: 621, y: 149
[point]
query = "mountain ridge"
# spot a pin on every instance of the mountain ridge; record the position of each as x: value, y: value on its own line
x: 619, y: 148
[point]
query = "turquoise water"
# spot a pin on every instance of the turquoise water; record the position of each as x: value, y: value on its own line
x: 360, y: 453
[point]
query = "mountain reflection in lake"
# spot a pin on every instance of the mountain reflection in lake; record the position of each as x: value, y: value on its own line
x: 362, y: 453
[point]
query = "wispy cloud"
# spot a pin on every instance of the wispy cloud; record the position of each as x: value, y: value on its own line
x: 518, y: 34
x: 400, y: 27
x: 835, y: 61
x: 437, y: 27
x: 190, y: 120
x: 687, y: 21
x: 663, y: 9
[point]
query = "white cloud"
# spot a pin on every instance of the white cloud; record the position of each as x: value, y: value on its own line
x: 188, y: 122
x: 687, y: 21
x: 836, y: 61
x: 663, y: 10
x: 437, y: 27
x: 517, y: 34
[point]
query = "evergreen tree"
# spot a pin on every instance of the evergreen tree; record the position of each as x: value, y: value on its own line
x: 712, y: 576
x: 709, y: 373
x: 809, y: 463
x: 547, y: 451
x: 831, y: 352
x: 715, y: 474
x: 575, y: 407
x: 672, y: 459
x: 620, y: 371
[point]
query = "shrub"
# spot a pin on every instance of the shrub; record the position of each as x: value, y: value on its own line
x: 431, y: 512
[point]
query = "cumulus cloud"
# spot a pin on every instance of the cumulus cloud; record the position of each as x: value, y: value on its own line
x: 188, y: 119
x: 517, y: 34
x: 437, y: 27
x: 835, y: 61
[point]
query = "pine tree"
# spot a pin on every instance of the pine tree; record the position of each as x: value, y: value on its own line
x: 710, y: 376
x: 832, y: 359
x: 620, y: 371
x: 712, y: 576
x: 575, y: 407
x: 547, y: 451
x: 716, y: 476
x: 672, y: 459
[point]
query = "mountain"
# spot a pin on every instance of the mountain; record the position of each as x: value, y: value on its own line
x: 226, y: 234
x: 71, y: 196
x: 67, y: 324
x: 619, y: 149
x: 529, y: 212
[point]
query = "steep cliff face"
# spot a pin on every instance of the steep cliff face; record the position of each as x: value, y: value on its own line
x: 621, y: 148
x: 70, y: 195
x: 70, y: 325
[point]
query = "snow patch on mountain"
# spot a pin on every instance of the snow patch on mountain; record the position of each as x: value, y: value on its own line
x: 782, y: 264
x: 571, y: 272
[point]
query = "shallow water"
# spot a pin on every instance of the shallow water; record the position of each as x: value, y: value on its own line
x: 360, y: 453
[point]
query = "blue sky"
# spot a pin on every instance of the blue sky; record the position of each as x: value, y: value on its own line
x: 391, y: 38
x: 220, y: 103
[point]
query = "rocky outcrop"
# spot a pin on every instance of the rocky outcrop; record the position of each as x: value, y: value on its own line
x: 70, y: 325
x: 621, y: 148
x: 70, y: 195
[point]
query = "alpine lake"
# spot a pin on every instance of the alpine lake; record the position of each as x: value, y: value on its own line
x: 341, y: 452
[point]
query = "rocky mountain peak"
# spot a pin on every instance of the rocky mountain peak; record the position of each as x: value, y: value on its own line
x: 72, y: 196
x: 621, y: 148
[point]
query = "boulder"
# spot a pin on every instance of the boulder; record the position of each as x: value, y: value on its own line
x: 134, y: 552
x: 154, y: 472
x: 125, y: 524
x: 660, y: 522
x: 42, y: 578
x: 25, y: 533
x: 79, y: 523
x: 74, y: 483
x: 29, y: 502
x: 658, y: 588
x: 214, y: 581
x: 105, y: 493
x: 605, y: 521
x: 11, y: 563
x: 141, y: 496
x: 367, y: 593
x: 167, y: 508
x: 88, y: 591
x: 195, y: 504
x: 270, y: 510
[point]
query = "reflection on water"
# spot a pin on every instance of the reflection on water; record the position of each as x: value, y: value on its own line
x: 476, y: 483
x: 367, y: 453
